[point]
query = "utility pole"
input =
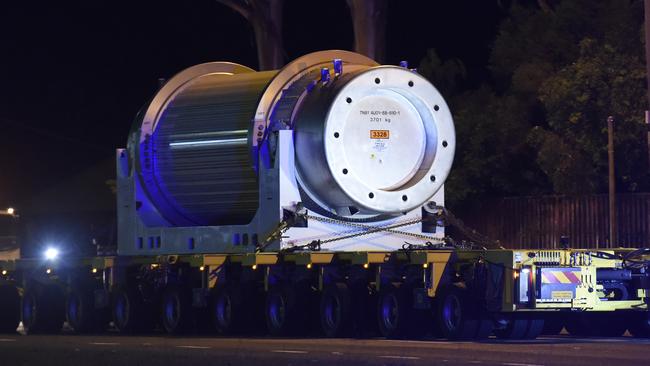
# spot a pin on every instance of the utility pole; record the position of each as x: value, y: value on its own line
x: 612, y: 182
x: 647, y: 67
x: 647, y: 126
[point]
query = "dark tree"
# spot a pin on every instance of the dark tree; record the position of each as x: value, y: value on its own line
x: 558, y: 70
x: 265, y: 16
x: 369, y: 23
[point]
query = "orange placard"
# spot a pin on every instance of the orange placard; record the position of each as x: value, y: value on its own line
x: 379, y: 134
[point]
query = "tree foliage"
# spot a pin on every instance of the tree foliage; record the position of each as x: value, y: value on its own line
x: 578, y: 99
x: 539, y: 126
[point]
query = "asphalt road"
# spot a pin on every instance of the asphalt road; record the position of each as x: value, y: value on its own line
x: 71, y: 350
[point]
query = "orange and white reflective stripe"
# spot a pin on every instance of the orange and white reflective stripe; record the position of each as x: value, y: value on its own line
x: 566, y: 277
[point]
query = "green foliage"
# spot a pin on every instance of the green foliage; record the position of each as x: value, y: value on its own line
x: 540, y: 125
x: 448, y: 75
x: 530, y: 35
x: 566, y: 166
x: 578, y: 99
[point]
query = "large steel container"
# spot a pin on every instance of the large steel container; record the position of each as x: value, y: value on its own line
x: 370, y: 140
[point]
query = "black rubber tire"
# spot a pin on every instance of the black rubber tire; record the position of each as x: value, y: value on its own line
x: 393, y: 310
x: 225, y: 301
x: 81, y: 314
x: 336, y: 311
x: 29, y: 311
x: 9, y: 309
x: 535, y: 328
x: 456, y: 317
x: 553, y: 324
x: 614, y: 326
x: 130, y: 315
x: 43, y: 310
x: 639, y: 324
x: 176, y: 310
x: 579, y: 325
x: 597, y: 324
x: 485, y: 329
x: 229, y: 312
x: 288, y: 310
x: 515, y: 328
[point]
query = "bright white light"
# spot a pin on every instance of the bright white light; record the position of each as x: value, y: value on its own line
x: 525, y: 271
x: 51, y: 254
x: 221, y: 142
x: 10, y: 210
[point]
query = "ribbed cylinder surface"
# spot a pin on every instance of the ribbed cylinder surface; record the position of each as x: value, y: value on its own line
x: 200, y: 155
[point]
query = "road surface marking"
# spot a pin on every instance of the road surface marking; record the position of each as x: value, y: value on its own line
x: 337, y: 353
x: 420, y: 342
x: 520, y: 364
x: 401, y: 357
x: 287, y: 351
x: 475, y: 361
x: 104, y: 343
x: 194, y: 347
x: 7, y: 340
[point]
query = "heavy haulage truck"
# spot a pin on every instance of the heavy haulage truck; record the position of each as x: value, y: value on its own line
x: 310, y: 198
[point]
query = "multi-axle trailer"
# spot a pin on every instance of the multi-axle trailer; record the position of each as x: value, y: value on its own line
x: 461, y: 294
x: 310, y: 198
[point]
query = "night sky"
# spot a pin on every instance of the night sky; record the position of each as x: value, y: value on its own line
x: 74, y: 73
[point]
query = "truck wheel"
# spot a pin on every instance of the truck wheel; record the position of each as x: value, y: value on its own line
x: 520, y: 328
x: 43, y: 311
x: 129, y: 311
x: 553, y: 324
x: 288, y: 309
x: 455, y: 316
x: 227, y: 310
x: 392, y: 312
x: 279, y: 303
x: 612, y: 325
x: 639, y: 324
x: 336, y: 311
x: 80, y: 311
x: 580, y: 325
x: 9, y: 309
x: 485, y: 328
x: 396, y: 315
x: 176, y: 310
x: 596, y: 325
x: 535, y: 328
x: 515, y: 328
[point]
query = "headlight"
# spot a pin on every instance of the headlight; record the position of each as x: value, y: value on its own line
x: 51, y: 254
